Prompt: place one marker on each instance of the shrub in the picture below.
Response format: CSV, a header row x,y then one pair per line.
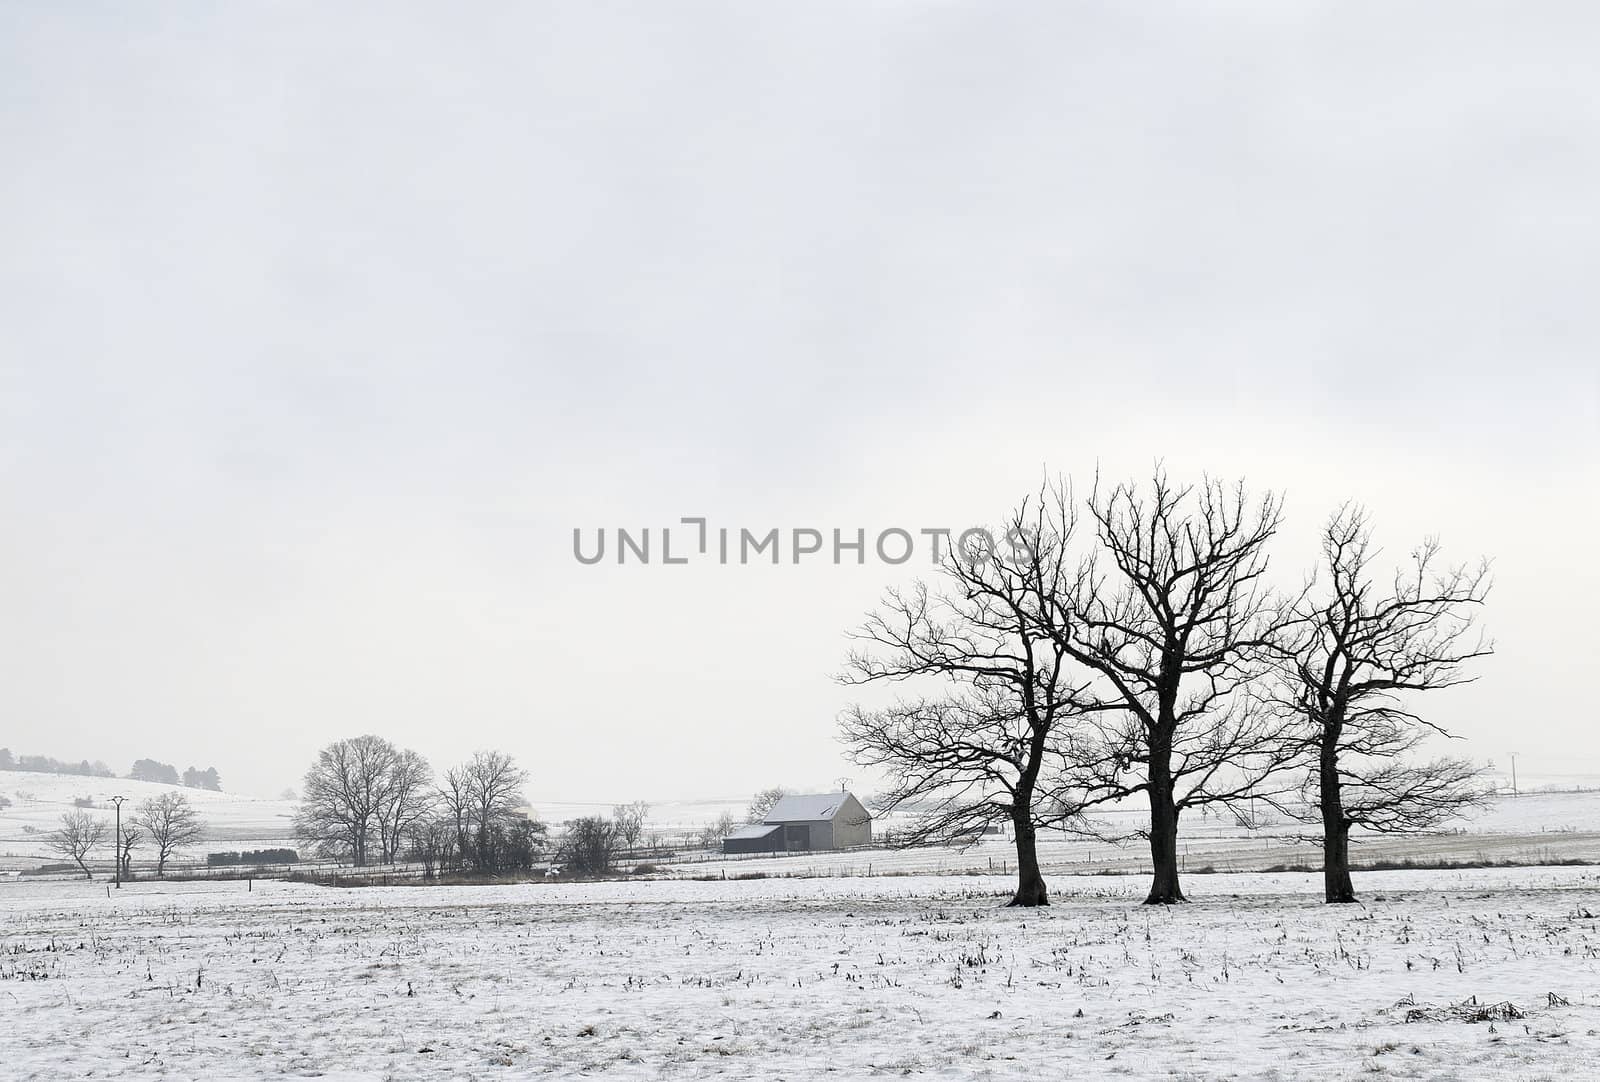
x,y
589,846
253,856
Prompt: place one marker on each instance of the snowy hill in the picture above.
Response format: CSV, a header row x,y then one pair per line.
x,y
39,800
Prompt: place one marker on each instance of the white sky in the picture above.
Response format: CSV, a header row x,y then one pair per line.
x,y
321,327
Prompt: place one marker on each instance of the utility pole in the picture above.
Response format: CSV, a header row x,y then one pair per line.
x,y
116,840
1513,774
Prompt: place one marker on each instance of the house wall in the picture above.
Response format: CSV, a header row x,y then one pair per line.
x,y
852,826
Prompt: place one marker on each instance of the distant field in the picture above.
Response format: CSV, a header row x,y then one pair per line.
x,y
1535,828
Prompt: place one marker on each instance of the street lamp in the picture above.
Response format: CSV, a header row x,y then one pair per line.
x,y
116,841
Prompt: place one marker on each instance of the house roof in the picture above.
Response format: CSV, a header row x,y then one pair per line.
x,y
808,807
760,830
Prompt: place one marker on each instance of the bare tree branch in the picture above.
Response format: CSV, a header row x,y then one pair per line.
x,y
1173,613
1359,652
995,743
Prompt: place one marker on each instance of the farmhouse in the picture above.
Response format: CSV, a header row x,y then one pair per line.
x,y
805,823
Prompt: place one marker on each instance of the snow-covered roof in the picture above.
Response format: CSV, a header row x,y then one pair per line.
x,y
760,830
807,807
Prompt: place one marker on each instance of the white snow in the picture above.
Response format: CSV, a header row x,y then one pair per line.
x,y
798,978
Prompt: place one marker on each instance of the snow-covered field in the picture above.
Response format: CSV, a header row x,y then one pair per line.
x,y
1438,975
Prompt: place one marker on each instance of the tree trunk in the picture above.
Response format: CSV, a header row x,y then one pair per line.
x,y
1164,888
1030,884
1336,884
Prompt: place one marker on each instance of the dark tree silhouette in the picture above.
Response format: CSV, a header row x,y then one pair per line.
x,y
996,747
153,770
131,837
589,846
80,834
172,824
479,799
1361,652
1173,613
403,797
348,802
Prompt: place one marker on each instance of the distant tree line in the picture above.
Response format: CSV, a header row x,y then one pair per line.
x,y
43,764
369,802
366,801
143,770
167,774
1056,666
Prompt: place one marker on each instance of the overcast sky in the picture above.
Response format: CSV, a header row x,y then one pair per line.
x,y
322,327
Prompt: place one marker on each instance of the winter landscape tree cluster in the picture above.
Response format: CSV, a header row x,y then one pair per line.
x,y
366,801
369,802
1133,645
167,822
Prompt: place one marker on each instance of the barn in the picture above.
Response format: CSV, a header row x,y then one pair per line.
x,y
805,823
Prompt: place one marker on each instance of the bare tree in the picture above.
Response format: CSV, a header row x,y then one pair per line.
x,y
630,820
763,802
171,823
455,803
479,798
712,834
80,834
1360,654
1180,627
433,842
403,796
131,837
1000,747
359,798
341,795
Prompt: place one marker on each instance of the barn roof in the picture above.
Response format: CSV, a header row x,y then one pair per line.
x,y
807,807
760,830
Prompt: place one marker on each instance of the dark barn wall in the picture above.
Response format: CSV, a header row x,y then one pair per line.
x,y
771,843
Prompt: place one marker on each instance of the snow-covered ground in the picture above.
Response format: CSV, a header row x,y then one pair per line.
x,y
791,978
